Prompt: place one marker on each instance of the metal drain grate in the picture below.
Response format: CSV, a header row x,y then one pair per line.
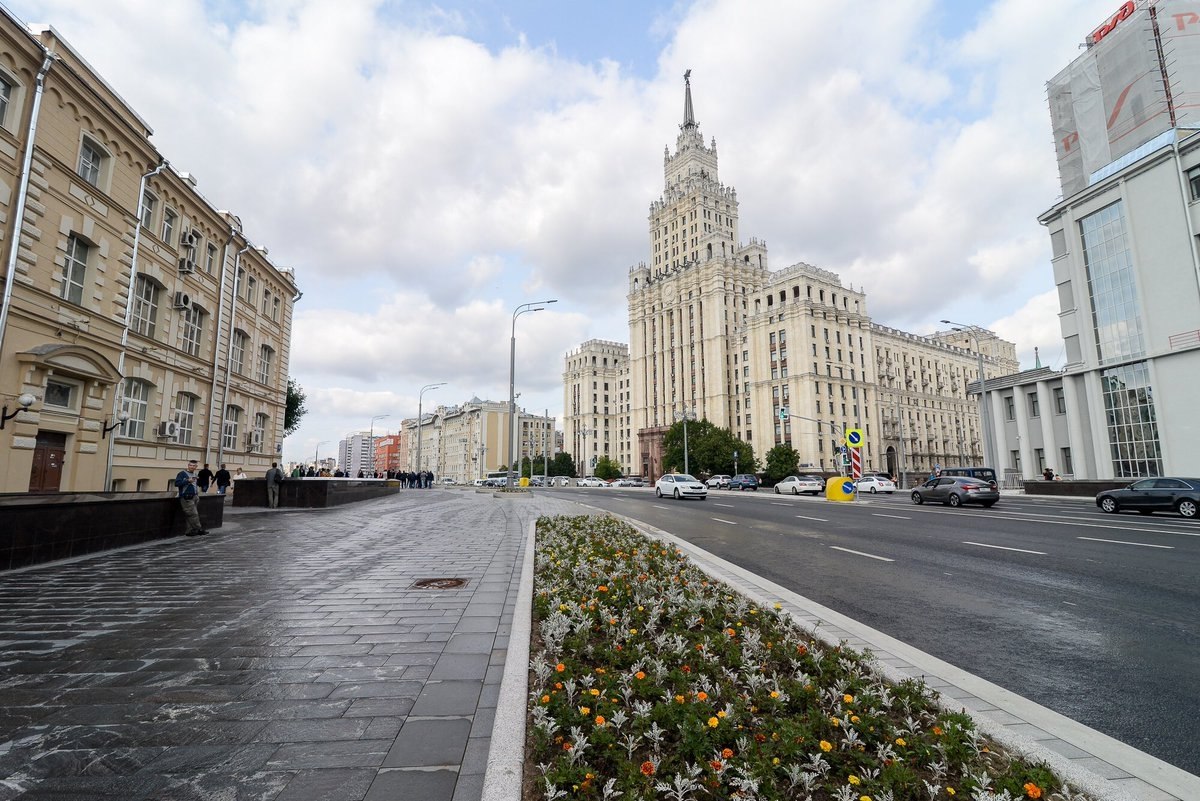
x,y
439,583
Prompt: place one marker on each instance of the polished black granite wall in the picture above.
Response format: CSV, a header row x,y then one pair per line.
x,y
1080,488
313,493
43,528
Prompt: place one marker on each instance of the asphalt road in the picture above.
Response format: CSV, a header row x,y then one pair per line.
x,y
1091,615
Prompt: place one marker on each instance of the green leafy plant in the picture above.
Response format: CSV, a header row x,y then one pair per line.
x,y
652,681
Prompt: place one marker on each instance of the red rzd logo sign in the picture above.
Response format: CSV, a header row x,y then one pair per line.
x,y
1123,13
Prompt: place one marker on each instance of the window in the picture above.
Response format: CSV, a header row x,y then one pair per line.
x,y
62,394
170,218
1040,455
275,309
74,270
193,327
1034,408
6,91
145,306
1116,314
137,401
1132,422
1060,401
266,306
185,415
210,259
229,434
237,355
251,290
259,436
91,161
1193,179
266,359
149,201
1065,466
1010,408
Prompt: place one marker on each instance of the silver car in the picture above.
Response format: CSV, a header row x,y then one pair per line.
x,y
798,484
680,485
955,491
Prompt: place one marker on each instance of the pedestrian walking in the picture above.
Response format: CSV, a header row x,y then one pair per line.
x,y
204,478
274,479
223,480
185,481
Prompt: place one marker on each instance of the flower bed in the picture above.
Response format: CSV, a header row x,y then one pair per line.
x,y
652,681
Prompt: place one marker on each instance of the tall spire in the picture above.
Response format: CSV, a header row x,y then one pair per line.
x,y
689,118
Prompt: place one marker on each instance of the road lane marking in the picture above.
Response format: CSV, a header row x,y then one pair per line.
x,y
1005,516
719,520
898,517
860,553
781,503
1003,548
726,505
818,519
1123,542
656,506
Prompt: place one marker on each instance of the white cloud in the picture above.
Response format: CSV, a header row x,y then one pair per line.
x,y
1035,325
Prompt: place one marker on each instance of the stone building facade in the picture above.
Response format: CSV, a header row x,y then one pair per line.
x,y
139,323
468,441
596,405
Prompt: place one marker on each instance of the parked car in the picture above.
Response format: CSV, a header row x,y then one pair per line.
x,y
479,482
680,485
629,481
744,481
798,484
874,484
982,473
1150,495
956,490
536,481
561,481
590,481
719,481
448,481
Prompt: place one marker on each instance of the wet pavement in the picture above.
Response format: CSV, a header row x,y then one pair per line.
x,y
288,656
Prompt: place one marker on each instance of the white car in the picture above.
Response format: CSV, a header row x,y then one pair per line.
x,y
718,482
680,485
874,484
798,484
590,481
479,482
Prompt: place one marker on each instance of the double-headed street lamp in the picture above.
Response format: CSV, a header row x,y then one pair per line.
x,y
420,400
317,454
985,415
373,419
686,415
524,308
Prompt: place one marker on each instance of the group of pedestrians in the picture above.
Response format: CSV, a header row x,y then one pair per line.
x,y
420,479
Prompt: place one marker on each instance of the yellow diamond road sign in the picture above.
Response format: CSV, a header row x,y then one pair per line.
x,y
854,438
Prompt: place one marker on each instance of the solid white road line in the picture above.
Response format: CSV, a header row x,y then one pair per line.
x,y
1123,542
1009,516
860,553
818,519
1002,548
780,503
719,520
898,517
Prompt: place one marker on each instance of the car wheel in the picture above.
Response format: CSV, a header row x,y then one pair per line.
x,y
676,494
795,490
954,500
657,492
1109,505
872,490
1187,508
917,499
776,490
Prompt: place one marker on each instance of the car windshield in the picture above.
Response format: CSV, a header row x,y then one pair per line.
x,y
683,477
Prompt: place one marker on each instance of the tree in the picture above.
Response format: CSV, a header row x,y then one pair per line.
x,y
562,465
710,449
782,461
607,469
293,410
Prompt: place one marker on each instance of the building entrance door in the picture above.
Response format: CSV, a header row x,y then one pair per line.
x,y
48,456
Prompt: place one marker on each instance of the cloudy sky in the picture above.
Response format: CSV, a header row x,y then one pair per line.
x,y
425,168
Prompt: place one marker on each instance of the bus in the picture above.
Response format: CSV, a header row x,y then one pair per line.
x,y
496,478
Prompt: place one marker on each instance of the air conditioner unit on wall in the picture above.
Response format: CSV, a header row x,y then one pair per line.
x,y
189,239
168,429
254,440
183,300
187,265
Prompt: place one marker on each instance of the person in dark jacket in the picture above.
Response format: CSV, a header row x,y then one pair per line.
x,y
204,478
185,482
223,480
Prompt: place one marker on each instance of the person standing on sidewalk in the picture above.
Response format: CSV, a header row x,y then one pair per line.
x,y
185,481
223,480
274,479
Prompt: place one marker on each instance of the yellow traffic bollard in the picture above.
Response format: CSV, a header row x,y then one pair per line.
x,y
839,488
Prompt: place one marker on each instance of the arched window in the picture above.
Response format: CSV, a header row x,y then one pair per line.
x,y
95,163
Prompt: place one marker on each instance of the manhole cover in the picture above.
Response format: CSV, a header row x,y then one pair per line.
x,y
439,583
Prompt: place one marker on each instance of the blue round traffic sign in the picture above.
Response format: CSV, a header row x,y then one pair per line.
x,y
854,438
848,487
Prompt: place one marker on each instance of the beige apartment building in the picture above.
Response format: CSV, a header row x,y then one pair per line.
x,y
789,356
597,404
468,441
139,326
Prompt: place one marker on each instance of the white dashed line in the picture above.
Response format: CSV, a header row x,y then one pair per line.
x,y
1123,542
1003,548
897,517
656,506
719,520
818,519
860,553
726,505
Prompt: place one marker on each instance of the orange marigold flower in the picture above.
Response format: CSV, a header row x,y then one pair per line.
x,y
599,720
937,730
558,685
545,699
567,746
648,768
686,668
639,675
727,752
716,765
703,696
602,588
560,667
731,632
1032,790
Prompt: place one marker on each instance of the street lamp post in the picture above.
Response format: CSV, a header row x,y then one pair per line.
x,y
420,400
373,419
686,415
899,427
524,308
985,416
317,456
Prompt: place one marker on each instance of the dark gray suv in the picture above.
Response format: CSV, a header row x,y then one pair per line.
x,y
744,481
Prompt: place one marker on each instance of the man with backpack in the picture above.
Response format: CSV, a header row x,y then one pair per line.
x,y
185,482
274,479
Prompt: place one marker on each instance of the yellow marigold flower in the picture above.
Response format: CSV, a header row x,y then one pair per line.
x,y
778,605
679,699
721,714
594,691
901,741
632,632
853,780
583,710
950,791
641,608
835,721
775,761
864,798
562,607
713,723
849,699
854,718
826,746
774,693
